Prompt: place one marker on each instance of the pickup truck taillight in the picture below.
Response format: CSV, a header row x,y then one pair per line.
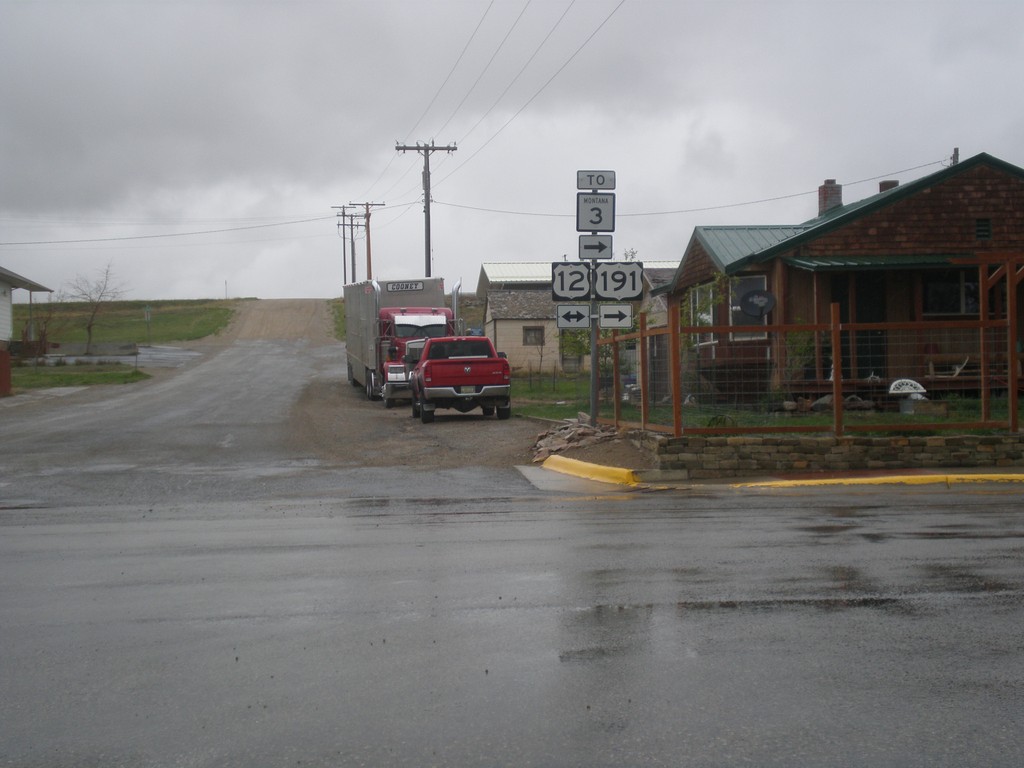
x,y
506,371
426,373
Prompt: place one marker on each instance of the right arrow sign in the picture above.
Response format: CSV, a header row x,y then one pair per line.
x,y
595,246
616,316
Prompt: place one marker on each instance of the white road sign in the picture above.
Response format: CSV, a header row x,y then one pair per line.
x,y
619,280
595,179
570,281
595,212
573,315
615,315
595,246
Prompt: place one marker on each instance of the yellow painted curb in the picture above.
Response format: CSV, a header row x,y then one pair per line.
x,y
590,471
890,480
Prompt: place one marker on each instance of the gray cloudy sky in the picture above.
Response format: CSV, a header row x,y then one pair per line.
x,y
198,146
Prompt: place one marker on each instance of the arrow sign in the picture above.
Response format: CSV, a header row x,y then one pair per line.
x,y
616,316
595,246
572,316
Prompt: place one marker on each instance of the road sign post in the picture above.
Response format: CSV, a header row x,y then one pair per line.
x,y
595,213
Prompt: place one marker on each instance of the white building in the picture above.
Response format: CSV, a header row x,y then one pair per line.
x,y
8,283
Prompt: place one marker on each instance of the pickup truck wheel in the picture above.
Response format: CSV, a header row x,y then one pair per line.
x,y
415,407
426,415
504,412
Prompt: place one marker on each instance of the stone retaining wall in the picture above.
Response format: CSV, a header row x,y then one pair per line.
x,y
697,458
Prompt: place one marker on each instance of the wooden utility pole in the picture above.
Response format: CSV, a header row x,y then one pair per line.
x,y
366,224
426,150
344,254
347,228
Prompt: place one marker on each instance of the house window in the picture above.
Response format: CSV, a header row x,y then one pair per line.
x,y
983,229
533,336
739,288
950,292
702,303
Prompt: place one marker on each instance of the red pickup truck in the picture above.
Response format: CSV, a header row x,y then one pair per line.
x,y
460,372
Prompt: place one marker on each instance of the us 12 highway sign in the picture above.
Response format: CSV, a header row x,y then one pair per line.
x,y
570,281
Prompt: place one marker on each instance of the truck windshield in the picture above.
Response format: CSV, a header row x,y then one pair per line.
x,y
406,331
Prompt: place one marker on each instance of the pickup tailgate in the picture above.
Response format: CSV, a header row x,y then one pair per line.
x,y
465,376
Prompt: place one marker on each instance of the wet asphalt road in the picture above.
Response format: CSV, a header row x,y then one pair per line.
x,y
166,602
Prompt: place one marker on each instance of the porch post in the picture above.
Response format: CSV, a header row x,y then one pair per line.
x,y
837,372
642,372
675,375
1014,276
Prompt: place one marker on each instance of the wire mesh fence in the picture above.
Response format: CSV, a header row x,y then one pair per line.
x,y
827,378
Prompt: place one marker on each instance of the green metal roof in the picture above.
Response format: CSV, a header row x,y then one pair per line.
x,y
885,261
728,245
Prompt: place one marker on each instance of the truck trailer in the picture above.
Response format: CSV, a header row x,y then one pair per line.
x,y
380,318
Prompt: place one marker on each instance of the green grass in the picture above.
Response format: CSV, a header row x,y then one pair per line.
x,y
121,322
124,322
42,376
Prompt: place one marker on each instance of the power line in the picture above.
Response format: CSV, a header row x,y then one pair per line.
x,y
690,210
167,234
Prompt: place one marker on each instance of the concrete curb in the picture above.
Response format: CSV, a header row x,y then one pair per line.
x,y
590,471
936,479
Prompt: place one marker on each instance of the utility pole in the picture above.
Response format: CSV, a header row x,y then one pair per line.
x,y
426,150
366,224
344,254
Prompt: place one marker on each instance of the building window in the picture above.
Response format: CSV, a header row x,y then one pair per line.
x,y
983,229
739,288
950,292
533,336
702,304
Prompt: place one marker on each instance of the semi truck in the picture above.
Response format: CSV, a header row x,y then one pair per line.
x,y
380,318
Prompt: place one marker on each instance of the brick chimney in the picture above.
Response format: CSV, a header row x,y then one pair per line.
x,y
830,195
885,186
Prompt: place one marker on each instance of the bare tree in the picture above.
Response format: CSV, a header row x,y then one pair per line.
x,y
95,293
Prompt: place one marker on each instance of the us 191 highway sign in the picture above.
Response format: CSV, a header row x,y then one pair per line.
x,y
619,280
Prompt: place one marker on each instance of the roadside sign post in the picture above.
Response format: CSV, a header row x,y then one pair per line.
x,y
595,214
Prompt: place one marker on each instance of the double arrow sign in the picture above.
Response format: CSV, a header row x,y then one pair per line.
x,y
608,316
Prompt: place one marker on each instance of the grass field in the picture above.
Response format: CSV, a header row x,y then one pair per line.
x,y
125,322
121,322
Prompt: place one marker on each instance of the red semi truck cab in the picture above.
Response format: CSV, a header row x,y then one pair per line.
x,y
399,326
380,318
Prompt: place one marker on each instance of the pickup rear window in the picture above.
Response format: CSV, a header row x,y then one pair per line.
x,y
460,349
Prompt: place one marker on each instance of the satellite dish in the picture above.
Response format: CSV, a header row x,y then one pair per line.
x,y
757,303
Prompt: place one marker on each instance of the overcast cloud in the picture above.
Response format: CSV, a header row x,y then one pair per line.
x,y
128,126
